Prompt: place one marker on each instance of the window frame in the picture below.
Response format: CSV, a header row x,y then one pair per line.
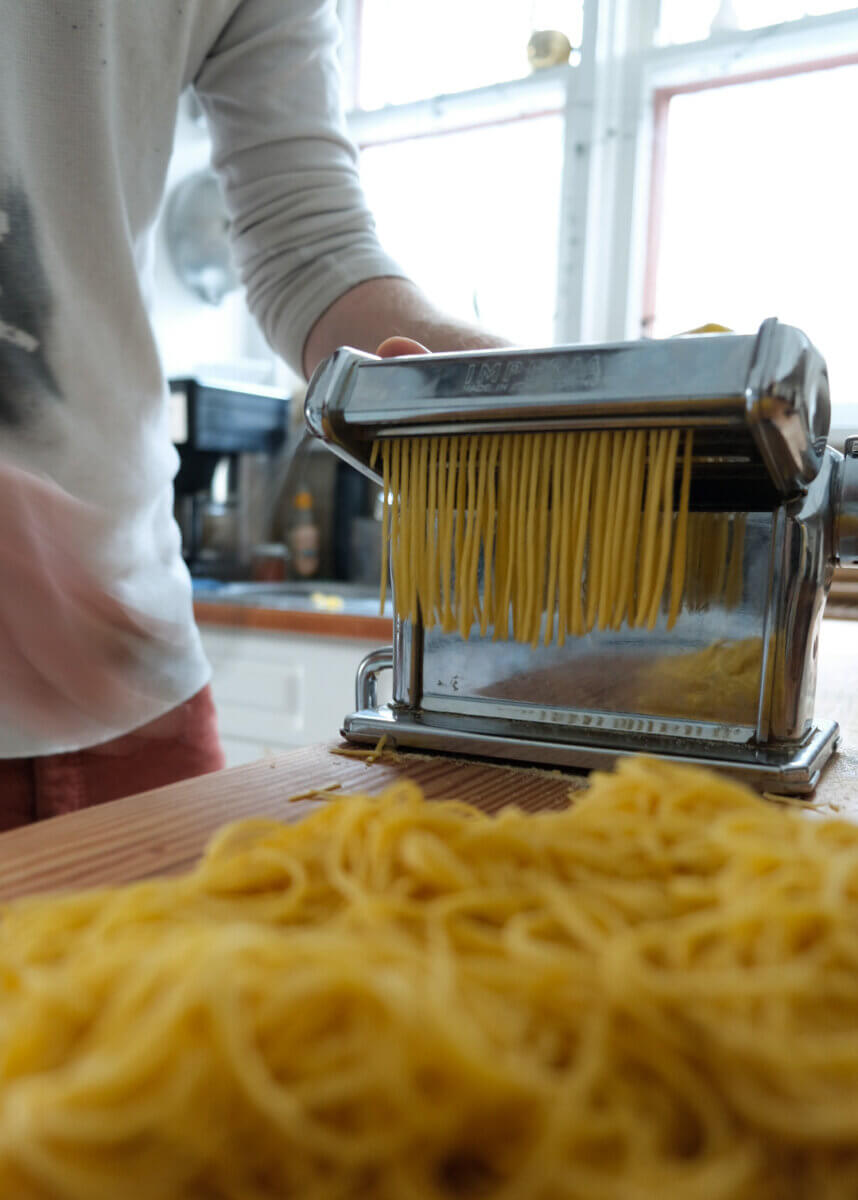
x,y
555,90
662,98
614,101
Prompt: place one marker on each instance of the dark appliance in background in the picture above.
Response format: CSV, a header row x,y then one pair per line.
x,y
229,439
356,526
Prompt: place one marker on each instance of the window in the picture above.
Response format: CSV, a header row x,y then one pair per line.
x,y
691,163
413,49
462,149
690,20
473,217
757,212
745,174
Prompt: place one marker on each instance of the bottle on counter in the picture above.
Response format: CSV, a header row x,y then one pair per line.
x,y
269,563
303,536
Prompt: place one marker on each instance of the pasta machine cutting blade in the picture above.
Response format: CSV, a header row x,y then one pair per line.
x,y
726,685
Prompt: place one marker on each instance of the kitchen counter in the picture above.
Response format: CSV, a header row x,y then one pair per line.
x,y
349,610
326,609
164,831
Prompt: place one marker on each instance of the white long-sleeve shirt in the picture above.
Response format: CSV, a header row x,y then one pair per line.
x,y
89,91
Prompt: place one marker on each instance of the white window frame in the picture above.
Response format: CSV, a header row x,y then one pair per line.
x,y
612,102
792,47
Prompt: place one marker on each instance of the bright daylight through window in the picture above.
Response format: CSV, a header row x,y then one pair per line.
x,y
711,178
758,213
411,50
474,217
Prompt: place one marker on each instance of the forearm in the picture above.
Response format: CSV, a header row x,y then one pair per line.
x,y
382,308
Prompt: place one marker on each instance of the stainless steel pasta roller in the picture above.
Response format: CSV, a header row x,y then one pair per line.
x,y
730,682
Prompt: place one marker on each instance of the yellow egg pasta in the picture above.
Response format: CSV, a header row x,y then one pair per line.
x,y
653,993
541,536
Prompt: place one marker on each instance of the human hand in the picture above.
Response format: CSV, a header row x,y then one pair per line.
x,y
396,347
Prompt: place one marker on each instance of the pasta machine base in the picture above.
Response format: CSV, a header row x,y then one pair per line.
x,y
790,770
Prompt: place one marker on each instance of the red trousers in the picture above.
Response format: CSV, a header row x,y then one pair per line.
x,y
179,745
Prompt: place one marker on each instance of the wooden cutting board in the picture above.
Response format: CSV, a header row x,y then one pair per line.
x,y
164,831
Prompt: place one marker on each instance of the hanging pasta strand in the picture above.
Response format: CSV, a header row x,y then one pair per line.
x,y
386,512
680,541
406,534
464,581
556,518
422,601
429,589
538,520
510,473
666,529
600,517
631,520
490,518
447,550
394,451
543,536
646,566
460,523
519,581
570,473
622,444
582,501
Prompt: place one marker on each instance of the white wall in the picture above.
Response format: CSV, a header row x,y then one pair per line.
x,y
195,337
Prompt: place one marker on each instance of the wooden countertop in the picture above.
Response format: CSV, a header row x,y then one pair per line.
x,y
165,830
287,620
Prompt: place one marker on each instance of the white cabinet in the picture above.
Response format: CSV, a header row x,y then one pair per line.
x,y
278,691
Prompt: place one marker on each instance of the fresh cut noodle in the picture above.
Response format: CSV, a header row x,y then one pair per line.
x,y
653,993
542,536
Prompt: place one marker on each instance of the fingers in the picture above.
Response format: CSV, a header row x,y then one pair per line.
x,y
395,347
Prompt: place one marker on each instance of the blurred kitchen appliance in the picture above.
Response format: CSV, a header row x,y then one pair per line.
x,y
356,527
229,437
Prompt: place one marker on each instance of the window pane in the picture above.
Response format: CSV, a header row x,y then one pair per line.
x,y
473,217
691,20
686,20
411,49
758,215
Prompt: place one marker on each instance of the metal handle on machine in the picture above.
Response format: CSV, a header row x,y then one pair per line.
x,y
366,680
846,507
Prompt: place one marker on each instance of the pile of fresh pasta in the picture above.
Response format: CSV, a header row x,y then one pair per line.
x,y
544,536
651,994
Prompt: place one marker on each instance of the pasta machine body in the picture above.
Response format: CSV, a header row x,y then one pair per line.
x,y
728,686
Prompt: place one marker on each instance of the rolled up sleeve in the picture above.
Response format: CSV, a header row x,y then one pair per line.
x,y
302,232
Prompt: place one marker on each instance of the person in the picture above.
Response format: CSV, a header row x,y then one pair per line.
x,y
103,680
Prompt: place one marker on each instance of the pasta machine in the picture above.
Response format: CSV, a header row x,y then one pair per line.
x,y
728,686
